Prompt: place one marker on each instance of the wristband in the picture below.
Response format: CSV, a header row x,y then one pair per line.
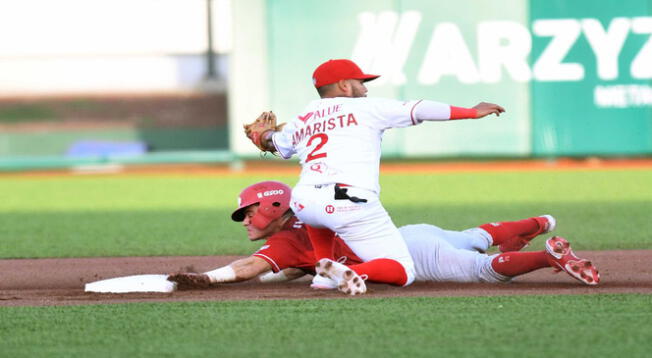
x,y
222,274
463,113
260,140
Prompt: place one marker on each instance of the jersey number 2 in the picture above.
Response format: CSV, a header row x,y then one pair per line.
x,y
323,139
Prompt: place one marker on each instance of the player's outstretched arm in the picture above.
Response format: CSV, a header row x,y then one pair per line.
x,y
287,274
484,109
248,268
240,270
426,110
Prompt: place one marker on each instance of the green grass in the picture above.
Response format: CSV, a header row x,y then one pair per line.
x,y
128,216
131,215
527,326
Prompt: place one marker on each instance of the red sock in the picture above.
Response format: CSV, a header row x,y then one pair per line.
x,y
323,241
383,271
505,230
517,263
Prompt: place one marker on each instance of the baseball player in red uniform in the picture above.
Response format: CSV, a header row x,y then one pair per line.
x,y
337,139
438,255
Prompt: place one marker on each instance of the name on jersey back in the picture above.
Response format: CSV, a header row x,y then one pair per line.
x,y
321,121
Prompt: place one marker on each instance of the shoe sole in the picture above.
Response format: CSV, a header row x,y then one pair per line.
x,y
584,271
581,269
350,283
558,248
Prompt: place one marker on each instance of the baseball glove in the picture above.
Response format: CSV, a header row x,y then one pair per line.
x,y
190,281
256,130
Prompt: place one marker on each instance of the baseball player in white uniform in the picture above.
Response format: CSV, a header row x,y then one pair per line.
x,y
337,139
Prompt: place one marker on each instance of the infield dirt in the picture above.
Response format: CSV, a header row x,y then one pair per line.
x,y
41,282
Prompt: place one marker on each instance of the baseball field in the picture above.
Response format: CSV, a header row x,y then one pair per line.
x,y
59,231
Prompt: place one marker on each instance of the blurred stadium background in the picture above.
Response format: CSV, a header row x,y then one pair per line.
x,y
101,83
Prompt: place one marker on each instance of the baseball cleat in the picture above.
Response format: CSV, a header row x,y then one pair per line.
x,y
322,283
346,279
547,223
562,258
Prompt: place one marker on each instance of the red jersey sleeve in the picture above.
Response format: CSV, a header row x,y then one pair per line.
x,y
288,248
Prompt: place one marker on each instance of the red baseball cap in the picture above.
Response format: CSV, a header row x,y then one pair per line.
x,y
332,71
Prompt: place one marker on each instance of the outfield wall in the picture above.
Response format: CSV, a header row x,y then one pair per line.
x,y
117,73
575,76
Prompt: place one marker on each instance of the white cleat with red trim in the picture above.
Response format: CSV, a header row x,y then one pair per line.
x,y
346,279
323,283
562,258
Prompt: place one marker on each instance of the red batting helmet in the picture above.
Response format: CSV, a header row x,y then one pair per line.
x,y
274,200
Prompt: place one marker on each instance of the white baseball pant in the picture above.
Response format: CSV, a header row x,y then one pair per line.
x,y
365,227
450,256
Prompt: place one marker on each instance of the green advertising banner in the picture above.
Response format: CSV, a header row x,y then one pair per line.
x,y
592,86
422,49
573,76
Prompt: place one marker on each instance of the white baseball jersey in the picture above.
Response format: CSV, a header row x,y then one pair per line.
x,y
338,139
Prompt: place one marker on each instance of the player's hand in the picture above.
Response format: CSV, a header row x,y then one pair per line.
x,y
485,109
190,281
255,131
265,120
